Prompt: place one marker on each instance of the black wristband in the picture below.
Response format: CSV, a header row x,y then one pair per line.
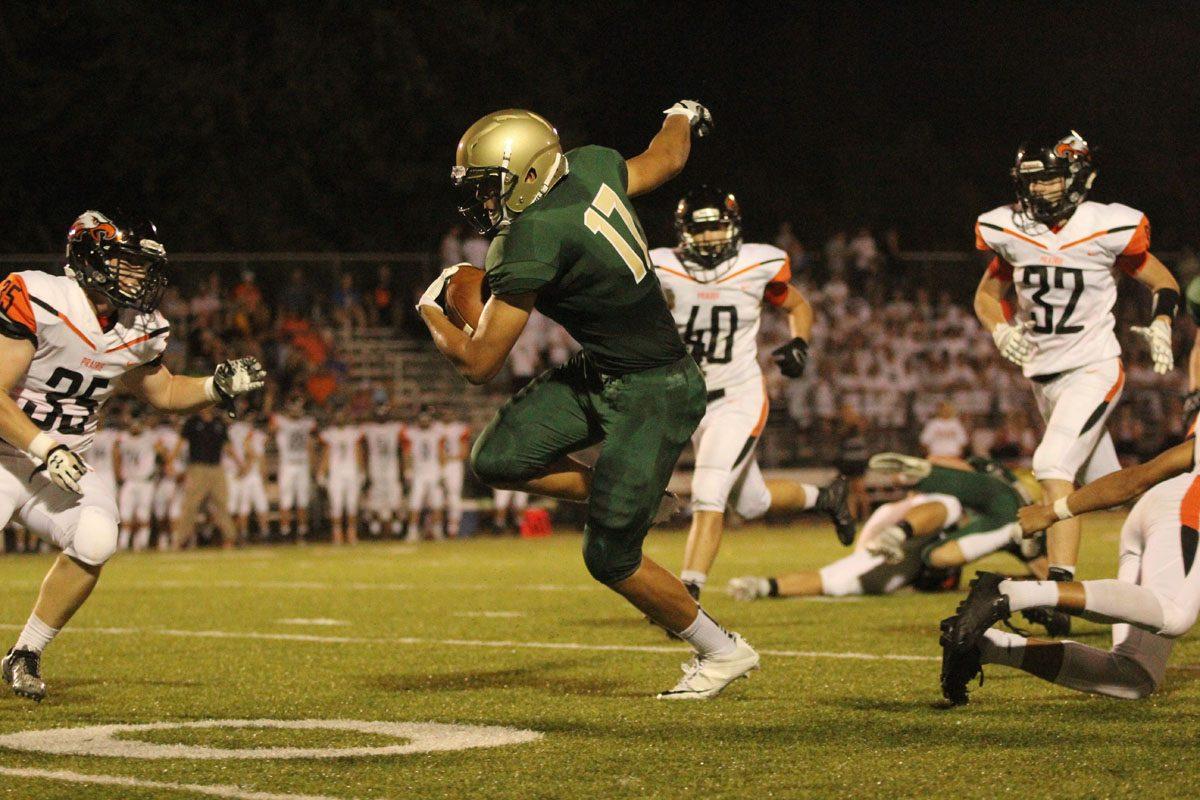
x,y
1061,575
905,526
1166,302
772,587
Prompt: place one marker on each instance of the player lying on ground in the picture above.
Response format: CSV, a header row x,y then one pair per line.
x,y
716,287
67,343
957,514
1154,598
569,241
1061,254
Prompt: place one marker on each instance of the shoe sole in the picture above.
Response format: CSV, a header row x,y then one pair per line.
x,y
6,673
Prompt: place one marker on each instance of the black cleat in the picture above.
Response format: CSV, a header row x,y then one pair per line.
x,y
1056,623
693,589
22,670
959,666
833,500
983,608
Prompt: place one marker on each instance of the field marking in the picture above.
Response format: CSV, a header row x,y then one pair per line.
x,y
490,643
329,587
419,737
215,790
319,622
490,614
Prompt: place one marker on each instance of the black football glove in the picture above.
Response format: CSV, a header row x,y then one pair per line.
x,y
791,357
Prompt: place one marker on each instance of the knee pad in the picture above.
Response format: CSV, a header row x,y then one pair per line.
x,y
1176,620
710,489
95,537
608,559
753,503
1049,460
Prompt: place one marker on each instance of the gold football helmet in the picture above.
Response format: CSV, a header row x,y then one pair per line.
x,y
503,164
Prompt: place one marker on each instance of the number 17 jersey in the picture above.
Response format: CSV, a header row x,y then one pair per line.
x,y
1066,279
718,316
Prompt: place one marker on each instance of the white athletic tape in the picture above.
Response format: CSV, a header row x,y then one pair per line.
x,y
320,622
216,790
507,645
421,737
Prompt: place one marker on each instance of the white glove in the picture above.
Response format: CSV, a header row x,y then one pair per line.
x,y
1158,335
1012,342
889,544
63,467
699,117
430,298
234,378
748,587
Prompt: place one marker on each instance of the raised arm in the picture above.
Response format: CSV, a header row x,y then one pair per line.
x,y
669,149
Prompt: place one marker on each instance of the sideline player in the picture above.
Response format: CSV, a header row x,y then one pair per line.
x,y
342,473
139,451
100,317
294,441
423,466
247,492
385,498
104,456
455,446
508,505
569,241
1154,599
1062,254
716,287
168,492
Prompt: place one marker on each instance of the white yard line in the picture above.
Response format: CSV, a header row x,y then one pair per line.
x,y
489,643
218,790
310,586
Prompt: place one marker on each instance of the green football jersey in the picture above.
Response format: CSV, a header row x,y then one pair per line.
x,y
581,248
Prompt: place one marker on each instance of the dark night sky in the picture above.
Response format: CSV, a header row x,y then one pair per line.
x,y
334,128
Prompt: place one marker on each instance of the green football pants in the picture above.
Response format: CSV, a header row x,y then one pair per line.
x,y
644,420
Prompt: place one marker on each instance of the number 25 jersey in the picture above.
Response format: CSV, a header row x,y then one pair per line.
x,y
76,365
719,319
1066,280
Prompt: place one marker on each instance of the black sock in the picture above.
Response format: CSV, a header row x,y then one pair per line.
x,y
694,590
773,590
1061,574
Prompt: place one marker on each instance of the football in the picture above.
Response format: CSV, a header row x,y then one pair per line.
x,y
465,295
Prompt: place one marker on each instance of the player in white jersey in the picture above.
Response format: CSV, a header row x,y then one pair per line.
x,y
104,456
139,450
385,498
294,442
716,287
247,492
66,343
423,466
1062,254
455,447
1154,599
168,492
342,473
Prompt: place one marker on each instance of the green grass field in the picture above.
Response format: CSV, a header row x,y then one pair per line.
x,y
513,633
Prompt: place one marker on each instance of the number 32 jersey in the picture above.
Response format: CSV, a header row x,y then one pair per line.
x,y
1066,280
76,365
718,318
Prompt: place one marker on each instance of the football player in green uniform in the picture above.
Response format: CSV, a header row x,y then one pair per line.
x,y
568,242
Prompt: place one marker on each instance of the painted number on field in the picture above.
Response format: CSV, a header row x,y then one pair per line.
x,y
419,737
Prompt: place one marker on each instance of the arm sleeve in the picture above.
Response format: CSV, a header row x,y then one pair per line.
x,y
16,312
525,260
776,290
980,244
1133,257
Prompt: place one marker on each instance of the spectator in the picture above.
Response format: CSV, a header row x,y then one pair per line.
x,y
450,251
837,254
475,248
944,435
347,304
383,296
207,302
296,297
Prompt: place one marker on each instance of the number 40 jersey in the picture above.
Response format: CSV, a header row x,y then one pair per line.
x,y
1066,279
718,316
76,364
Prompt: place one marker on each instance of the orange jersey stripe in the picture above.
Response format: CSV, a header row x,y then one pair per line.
x,y
1033,242
747,269
1189,509
14,302
678,274
1116,387
75,330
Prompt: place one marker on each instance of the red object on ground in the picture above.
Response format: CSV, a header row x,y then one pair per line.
x,y
535,523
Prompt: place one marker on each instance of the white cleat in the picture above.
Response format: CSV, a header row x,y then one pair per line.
x,y
748,587
706,677
900,464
